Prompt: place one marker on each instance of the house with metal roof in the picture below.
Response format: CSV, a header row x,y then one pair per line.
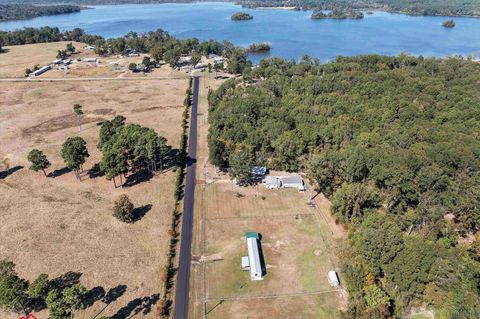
x,y
293,182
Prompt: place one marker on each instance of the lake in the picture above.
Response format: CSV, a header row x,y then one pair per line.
x,y
291,33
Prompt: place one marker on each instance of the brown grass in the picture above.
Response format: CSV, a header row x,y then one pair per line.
x,y
20,57
58,225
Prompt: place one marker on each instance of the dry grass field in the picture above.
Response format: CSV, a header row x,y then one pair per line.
x,y
59,225
20,57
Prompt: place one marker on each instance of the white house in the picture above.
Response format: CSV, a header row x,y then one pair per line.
x,y
333,279
254,261
293,182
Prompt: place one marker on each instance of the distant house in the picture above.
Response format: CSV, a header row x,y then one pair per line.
x,y
254,262
274,182
40,71
89,47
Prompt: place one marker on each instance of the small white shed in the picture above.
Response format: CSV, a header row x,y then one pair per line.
x,y
333,279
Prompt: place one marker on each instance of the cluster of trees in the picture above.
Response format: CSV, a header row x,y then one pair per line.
x,y
425,7
19,295
393,142
159,44
28,11
240,16
63,54
130,147
125,148
337,14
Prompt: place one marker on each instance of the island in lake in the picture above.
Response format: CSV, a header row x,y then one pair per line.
x,y
259,47
448,24
337,14
240,16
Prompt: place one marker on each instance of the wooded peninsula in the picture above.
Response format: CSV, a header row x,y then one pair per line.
x,y
27,11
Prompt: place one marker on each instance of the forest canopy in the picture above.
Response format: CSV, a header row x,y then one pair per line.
x,y
394,143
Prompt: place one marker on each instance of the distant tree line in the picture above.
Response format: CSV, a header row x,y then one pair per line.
x,y
425,7
393,142
158,43
28,11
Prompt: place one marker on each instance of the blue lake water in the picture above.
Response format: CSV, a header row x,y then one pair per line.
x,y
291,33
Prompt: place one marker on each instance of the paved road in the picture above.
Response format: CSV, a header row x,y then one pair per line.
x,y
183,275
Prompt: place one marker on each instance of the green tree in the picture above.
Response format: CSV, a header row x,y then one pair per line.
x,y
62,54
114,162
74,298
375,296
123,209
57,308
196,57
132,67
70,48
157,52
77,109
172,57
13,289
74,153
40,287
39,161
351,201
378,240
241,164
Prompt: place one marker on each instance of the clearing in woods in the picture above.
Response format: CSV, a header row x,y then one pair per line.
x,y
64,227
298,242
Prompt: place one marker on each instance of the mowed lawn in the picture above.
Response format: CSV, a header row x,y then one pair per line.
x,y
64,226
296,255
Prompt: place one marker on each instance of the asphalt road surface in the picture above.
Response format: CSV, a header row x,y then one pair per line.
x,y
183,275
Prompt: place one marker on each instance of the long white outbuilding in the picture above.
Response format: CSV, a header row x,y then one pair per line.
x,y
255,256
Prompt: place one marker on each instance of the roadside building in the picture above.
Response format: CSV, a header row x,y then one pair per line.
x,y
254,262
333,279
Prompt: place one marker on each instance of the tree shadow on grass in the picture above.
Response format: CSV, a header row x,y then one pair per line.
x,y
59,172
143,305
137,178
66,280
139,212
95,294
95,171
114,293
10,171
